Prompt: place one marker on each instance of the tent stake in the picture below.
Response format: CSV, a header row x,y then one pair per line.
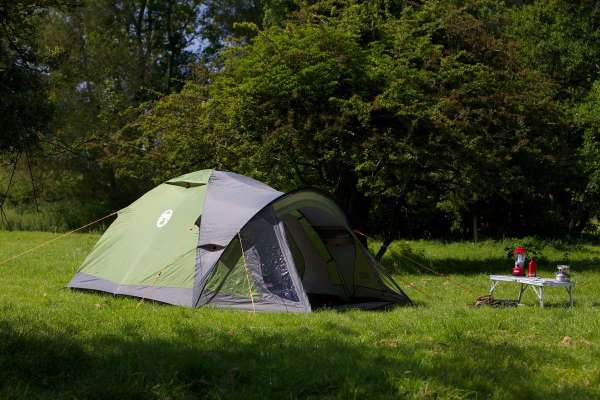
x,y
247,274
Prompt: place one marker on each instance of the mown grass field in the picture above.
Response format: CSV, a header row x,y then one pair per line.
x,y
60,344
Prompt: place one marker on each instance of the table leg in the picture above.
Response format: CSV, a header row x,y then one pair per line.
x,y
539,293
521,290
493,287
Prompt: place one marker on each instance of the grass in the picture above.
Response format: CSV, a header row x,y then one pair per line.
x,y
58,216
60,344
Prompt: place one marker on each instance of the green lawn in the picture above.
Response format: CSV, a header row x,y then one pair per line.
x,y
59,344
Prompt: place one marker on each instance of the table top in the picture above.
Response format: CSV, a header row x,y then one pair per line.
x,y
537,281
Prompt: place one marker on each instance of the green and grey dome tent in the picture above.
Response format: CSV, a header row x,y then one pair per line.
x,y
222,239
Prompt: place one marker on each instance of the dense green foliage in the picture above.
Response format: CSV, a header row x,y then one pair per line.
x,y
25,108
435,118
60,344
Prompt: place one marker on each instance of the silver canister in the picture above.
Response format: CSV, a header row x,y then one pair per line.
x,y
563,273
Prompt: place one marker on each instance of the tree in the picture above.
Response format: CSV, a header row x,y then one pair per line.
x,y
226,22
399,113
436,118
24,108
562,40
104,59
587,116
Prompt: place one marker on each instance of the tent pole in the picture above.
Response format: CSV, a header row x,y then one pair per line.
x,y
247,274
10,180
35,201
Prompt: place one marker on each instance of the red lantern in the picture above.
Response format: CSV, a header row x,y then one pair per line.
x,y
520,256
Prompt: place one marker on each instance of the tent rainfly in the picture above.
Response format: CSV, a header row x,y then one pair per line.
x,y
221,239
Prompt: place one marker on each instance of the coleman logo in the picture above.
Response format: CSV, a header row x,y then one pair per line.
x,y
164,218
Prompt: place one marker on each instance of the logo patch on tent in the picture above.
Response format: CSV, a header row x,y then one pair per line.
x,y
164,218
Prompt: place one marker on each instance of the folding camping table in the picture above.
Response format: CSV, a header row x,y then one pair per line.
x,y
536,284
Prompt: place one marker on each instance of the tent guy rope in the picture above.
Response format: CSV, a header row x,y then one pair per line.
x,y
420,265
414,287
47,242
406,283
464,288
247,273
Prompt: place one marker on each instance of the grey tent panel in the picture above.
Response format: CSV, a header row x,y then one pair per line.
x,y
231,201
273,270
171,295
220,301
269,266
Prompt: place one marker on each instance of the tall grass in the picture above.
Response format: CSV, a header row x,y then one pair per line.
x,y
52,217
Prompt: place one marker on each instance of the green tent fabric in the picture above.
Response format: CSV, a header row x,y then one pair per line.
x,y
221,239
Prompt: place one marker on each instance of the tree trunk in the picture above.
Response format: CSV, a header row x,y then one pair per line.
x,y
475,231
170,45
383,249
354,203
114,189
139,33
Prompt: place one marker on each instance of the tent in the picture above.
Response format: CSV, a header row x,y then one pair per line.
x,y
222,239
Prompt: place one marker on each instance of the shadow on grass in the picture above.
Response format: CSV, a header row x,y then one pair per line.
x,y
416,263
296,363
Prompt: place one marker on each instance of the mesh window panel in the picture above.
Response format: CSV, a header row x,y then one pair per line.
x,y
230,276
262,249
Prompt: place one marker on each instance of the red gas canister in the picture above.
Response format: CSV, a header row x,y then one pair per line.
x,y
532,268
